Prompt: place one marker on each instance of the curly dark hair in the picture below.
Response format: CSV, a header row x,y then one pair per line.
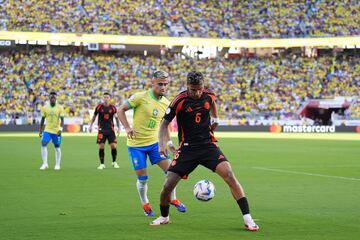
x,y
195,78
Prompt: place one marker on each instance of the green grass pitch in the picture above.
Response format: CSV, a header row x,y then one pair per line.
x,y
298,188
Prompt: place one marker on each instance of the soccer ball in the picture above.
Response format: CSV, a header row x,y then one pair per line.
x,y
204,190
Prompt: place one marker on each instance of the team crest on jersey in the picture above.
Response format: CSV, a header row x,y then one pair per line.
x,y
207,105
155,112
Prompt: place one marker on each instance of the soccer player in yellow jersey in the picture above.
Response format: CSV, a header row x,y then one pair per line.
x,y
149,108
54,115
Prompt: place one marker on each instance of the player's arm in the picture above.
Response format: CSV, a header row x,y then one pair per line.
x,y
92,122
164,131
170,143
61,126
123,119
164,137
117,123
214,116
41,126
93,118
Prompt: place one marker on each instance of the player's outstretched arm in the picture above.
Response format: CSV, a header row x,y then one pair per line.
x,y
164,136
41,126
122,117
214,116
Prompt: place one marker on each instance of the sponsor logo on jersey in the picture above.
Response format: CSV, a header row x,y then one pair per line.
x,y
207,105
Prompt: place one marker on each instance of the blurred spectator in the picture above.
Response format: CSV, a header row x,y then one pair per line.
x,y
271,88
197,18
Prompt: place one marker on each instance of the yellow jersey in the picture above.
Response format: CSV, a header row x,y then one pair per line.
x,y
148,113
52,116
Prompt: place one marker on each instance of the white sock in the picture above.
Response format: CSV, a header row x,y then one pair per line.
x,y
57,156
142,188
248,218
173,194
44,155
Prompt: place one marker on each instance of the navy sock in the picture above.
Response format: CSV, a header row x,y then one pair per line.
x,y
114,154
164,210
244,205
101,155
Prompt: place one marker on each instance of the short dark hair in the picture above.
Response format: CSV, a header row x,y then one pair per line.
x,y
195,78
107,93
160,74
53,93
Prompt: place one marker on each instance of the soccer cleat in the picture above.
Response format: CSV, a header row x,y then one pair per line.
x,y
44,167
147,210
160,220
101,166
180,207
251,225
57,167
115,165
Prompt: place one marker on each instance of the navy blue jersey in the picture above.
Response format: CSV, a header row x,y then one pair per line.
x,y
193,118
106,116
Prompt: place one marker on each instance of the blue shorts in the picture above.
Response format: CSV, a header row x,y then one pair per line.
x,y
46,137
138,155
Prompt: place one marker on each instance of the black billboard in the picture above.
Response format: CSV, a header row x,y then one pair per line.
x,y
7,43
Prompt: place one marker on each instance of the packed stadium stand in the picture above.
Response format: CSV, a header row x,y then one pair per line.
x,y
248,87
196,18
271,88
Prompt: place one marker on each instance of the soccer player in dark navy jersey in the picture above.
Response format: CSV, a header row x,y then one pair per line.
x,y
196,115
106,112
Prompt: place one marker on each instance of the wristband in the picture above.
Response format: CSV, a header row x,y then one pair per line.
x,y
61,129
170,143
215,120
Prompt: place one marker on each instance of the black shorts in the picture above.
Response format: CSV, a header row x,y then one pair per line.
x,y
110,136
190,157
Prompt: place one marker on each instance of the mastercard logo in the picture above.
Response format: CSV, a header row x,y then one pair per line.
x,y
358,129
74,128
275,128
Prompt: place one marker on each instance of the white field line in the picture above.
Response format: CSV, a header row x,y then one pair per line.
x,y
306,173
314,166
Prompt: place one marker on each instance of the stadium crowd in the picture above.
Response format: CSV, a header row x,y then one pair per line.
x,y
197,18
273,88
